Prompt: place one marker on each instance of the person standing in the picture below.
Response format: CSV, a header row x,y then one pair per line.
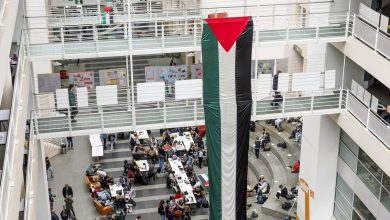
x,y
200,158
190,155
257,146
70,142
69,206
72,102
67,191
49,168
161,209
103,137
51,199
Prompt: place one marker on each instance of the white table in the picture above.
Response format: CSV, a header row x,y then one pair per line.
x,y
96,144
114,188
186,139
182,180
142,134
143,165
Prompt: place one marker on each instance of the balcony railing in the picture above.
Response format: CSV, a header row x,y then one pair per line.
x,y
372,36
161,36
369,118
171,113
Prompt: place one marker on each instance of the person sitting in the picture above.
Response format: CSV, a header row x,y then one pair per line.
x,y
265,139
120,200
295,167
282,192
178,195
295,131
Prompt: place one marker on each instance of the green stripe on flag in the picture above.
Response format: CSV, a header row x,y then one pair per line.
x,y
213,118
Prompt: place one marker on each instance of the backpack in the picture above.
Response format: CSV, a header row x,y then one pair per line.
x,y
205,203
290,196
282,144
266,148
286,206
262,199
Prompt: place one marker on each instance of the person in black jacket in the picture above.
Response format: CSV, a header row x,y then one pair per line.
x,y
67,191
386,115
283,192
161,209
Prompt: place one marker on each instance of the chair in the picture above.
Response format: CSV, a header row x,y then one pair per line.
x,y
102,209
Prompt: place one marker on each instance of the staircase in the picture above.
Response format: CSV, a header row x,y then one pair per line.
x,y
52,146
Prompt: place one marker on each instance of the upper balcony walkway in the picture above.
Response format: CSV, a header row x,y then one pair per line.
x,y
168,35
123,117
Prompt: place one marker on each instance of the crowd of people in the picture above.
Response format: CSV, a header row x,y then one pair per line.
x,y
68,210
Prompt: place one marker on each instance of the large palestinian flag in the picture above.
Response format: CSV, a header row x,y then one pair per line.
x,y
226,56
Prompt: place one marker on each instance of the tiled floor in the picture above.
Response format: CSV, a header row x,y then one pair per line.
x,y
69,168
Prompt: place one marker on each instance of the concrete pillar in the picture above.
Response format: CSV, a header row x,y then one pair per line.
x,y
319,153
6,34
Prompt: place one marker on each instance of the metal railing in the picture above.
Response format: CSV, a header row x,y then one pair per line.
x,y
371,35
13,160
155,115
174,35
369,118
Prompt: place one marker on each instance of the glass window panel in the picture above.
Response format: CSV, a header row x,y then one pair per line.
x,y
349,142
368,179
386,181
339,214
343,203
370,165
362,210
348,157
385,199
355,216
344,188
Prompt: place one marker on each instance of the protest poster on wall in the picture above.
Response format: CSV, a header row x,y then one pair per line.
x,y
83,79
113,77
167,74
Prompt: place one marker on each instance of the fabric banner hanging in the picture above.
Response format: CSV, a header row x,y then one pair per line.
x,y
226,55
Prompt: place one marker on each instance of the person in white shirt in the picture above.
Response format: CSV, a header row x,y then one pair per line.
x,y
200,158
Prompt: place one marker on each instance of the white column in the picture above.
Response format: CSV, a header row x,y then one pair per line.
x,y
6,34
319,153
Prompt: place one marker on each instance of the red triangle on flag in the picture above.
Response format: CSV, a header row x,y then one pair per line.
x,y
227,30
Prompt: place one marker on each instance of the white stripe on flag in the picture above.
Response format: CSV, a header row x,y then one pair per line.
x,y
228,107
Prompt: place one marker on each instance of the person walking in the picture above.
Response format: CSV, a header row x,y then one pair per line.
x,y
49,168
103,138
70,142
67,191
161,209
72,102
51,199
69,207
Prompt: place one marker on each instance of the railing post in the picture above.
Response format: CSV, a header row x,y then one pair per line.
x,y
341,98
185,23
284,104
195,33
312,102
195,113
376,39
62,42
347,24
353,25
96,38
288,28
368,118
273,15
100,109
155,28
165,114
69,120
162,36
317,31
